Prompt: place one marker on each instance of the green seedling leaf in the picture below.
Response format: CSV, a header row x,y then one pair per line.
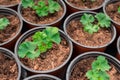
x,y
27,3
119,9
103,20
4,22
99,68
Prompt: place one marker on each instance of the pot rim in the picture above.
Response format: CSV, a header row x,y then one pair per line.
x,y
75,60
94,47
87,9
118,45
47,71
20,27
104,10
15,59
42,75
34,24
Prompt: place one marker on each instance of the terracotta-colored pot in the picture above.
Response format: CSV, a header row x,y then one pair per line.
x,y
79,48
55,23
11,42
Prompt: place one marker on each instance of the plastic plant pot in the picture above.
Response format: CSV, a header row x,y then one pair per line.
x,y
55,71
42,77
80,48
118,48
110,59
12,6
55,23
10,55
11,42
71,8
117,25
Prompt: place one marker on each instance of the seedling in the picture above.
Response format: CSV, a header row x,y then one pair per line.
x,y
93,23
99,69
42,8
42,41
4,22
119,9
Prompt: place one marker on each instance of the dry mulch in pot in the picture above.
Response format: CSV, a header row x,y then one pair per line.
x,y
84,65
11,30
49,60
76,32
9,2
30,15
87,4
8,68
112,11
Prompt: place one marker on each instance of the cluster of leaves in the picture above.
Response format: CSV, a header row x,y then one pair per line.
x,y
4,22
93,23
119,9
99,68
42,41
89,0
42,9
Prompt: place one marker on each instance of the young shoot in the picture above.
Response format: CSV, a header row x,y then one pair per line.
x,y
119,9
93,23
99,69
42,8
4,22
42,41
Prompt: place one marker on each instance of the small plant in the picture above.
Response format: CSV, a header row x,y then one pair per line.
x,y
42,41
93,24
99,68
119,9
4,22
42,8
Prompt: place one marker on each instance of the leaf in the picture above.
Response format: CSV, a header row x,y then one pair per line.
x,y
119,9
4,22
103,20
27,3
53,6
87,19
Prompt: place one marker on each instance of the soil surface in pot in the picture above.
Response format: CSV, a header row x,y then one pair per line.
x,y
53,58
9,2
112,11
11,30
8,68
31,16
84,65
87,4
76,32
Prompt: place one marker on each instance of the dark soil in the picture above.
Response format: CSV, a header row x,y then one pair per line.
x,y
87,4
84,65
11,30
76,32
53,57
112,11
9,2
31,16
8,68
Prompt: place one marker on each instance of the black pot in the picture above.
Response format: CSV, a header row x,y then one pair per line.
x,y
80,48
110,59
55,71
55,23
42,77
12,56
11,42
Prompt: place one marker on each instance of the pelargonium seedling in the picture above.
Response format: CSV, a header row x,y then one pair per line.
x,y
119,9
42,8
4,22
99,69
93,23
42,41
